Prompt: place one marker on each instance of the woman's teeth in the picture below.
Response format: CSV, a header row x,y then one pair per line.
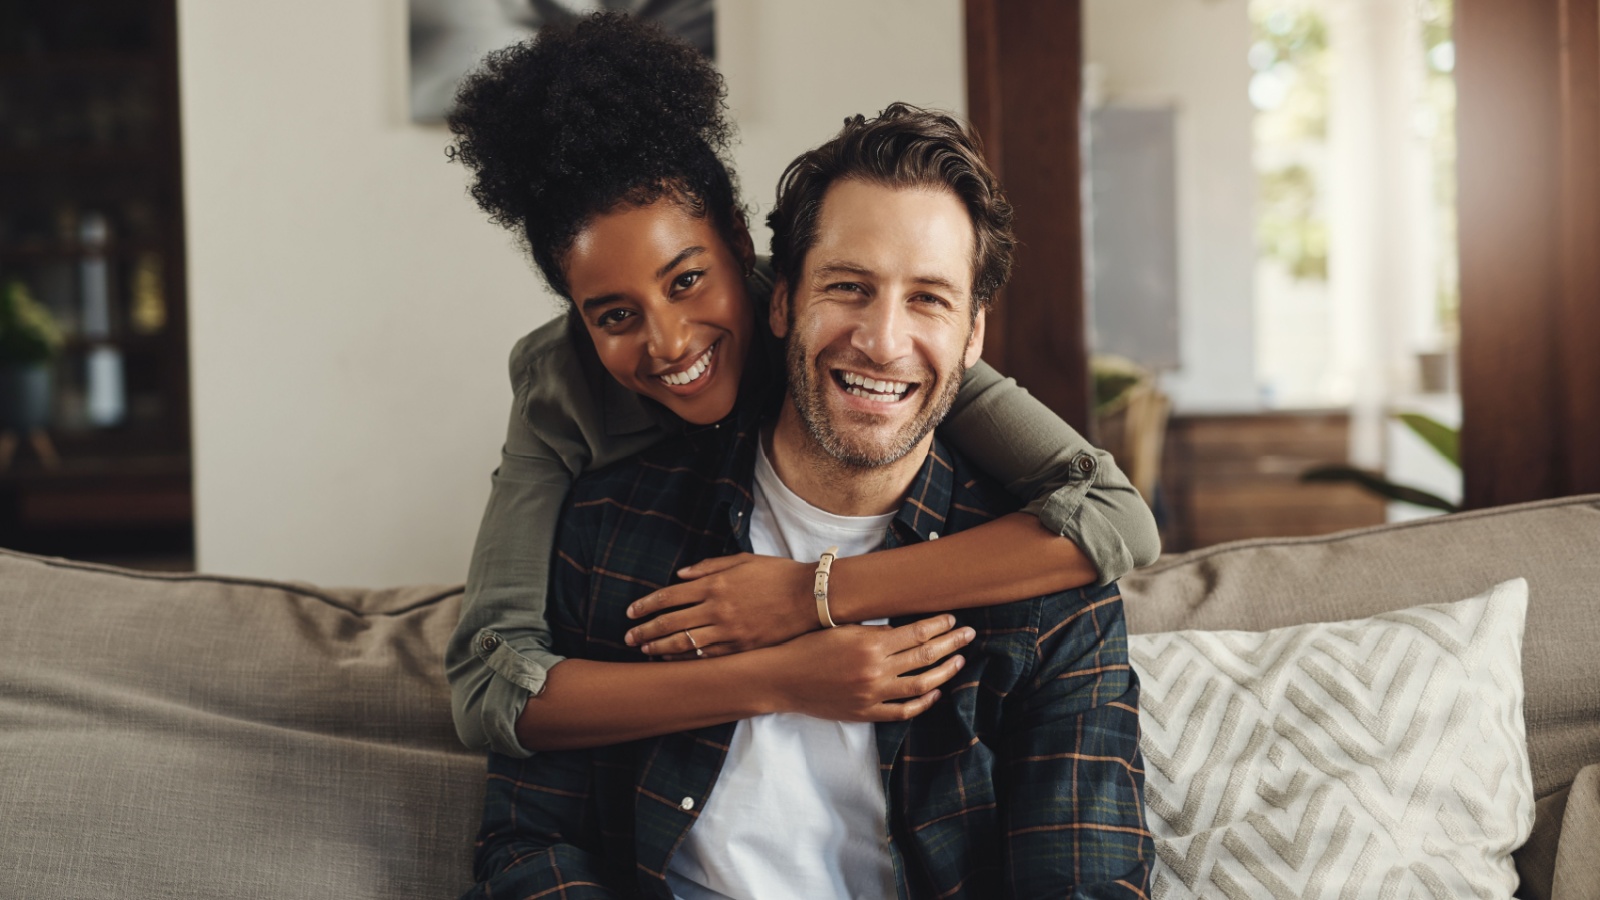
x,y
693,373
873,389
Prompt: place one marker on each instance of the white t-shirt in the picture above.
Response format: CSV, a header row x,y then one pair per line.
x,y
798,810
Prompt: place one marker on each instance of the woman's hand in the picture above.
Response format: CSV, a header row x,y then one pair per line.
x,y
864,673
727,604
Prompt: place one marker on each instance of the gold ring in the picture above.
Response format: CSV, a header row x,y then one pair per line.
x,y
701,654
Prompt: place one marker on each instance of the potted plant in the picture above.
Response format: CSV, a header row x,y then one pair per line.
x,y
29,341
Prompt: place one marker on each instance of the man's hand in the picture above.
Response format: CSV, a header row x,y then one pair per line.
x,y
727,605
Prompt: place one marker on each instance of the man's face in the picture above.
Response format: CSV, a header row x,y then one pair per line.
x,y
879,325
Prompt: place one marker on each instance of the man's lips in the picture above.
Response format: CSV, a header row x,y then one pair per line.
x,y
876,390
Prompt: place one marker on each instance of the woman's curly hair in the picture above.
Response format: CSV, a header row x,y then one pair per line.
x,y
591,113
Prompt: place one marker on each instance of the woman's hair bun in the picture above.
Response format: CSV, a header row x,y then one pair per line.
x,y
587,113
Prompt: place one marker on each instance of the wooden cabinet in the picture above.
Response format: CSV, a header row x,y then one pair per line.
x,y
1229,477
91,223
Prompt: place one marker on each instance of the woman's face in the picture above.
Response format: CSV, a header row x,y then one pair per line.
x,y
663,297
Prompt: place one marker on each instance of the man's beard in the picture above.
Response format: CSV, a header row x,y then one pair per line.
x,y
809,387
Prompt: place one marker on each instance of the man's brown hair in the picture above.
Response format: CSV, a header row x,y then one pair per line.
x,y
905,146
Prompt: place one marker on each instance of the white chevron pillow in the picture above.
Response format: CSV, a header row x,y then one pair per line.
x,y
1381,757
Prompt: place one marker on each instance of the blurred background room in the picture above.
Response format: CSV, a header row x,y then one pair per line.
x,y
1304,265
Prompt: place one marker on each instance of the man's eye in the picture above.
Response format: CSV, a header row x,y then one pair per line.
x,y
687,280
613,317
850,287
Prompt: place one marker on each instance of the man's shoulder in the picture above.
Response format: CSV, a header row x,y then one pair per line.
x,y
975,497
678,470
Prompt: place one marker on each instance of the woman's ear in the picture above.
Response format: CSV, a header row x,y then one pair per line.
x,y
743,246
778,310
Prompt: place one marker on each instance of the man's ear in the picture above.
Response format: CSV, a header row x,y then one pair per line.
x,y
778,309
975,340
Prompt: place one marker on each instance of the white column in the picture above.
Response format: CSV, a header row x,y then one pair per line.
x,y
1379,265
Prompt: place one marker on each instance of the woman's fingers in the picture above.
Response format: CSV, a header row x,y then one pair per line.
x,y
678,643
713,565
669,597
925,653
917,633
922,683
899,712
663,627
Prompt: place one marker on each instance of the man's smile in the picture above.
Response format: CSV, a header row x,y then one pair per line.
x,y
876,390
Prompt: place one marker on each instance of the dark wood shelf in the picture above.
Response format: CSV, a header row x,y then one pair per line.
x,y
123,489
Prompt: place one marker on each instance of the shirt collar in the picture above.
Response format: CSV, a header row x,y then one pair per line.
x,y
922,513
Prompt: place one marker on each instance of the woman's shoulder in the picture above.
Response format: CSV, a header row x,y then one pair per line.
x,y
568,401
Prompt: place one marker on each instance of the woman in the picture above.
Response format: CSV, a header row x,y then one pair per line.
x,y
599,143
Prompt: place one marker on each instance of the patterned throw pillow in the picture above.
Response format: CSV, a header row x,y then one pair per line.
x,y
1382,757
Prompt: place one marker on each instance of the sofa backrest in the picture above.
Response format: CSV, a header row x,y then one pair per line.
x,y
183,736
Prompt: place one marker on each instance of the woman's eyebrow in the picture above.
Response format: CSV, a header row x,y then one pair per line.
x,y
683,254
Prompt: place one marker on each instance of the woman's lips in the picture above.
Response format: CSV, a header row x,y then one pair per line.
x,y
695,377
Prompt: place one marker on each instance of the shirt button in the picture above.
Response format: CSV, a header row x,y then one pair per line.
x,y
933,535
489,642
686,804
1086,465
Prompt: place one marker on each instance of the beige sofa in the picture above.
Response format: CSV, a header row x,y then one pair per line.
x,y
189,736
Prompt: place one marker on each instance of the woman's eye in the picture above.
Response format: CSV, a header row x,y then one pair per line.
x,y
612,317
687,280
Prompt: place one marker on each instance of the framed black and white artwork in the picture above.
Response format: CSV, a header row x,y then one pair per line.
x,y
449,37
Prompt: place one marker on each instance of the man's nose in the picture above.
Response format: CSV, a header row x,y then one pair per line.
x,y
670,335
882,332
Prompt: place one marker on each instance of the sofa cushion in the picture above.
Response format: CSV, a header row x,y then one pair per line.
x,y
1360,758
1554,544
185,736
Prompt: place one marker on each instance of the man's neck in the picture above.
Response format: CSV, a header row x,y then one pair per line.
x,y
828,484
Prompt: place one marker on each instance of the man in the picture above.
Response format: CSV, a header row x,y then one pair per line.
x,y
1024,779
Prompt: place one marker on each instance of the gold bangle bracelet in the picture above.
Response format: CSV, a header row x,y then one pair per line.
x,y
819,588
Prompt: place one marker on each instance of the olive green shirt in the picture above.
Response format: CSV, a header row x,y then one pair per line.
x,y
570,416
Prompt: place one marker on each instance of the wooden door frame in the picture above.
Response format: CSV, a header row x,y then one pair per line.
x,y
1528,87
1024,84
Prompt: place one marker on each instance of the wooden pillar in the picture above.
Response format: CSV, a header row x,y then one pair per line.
x,y
1024,86
1528,83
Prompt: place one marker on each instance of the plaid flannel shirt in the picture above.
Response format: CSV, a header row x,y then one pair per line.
x,y
1024,780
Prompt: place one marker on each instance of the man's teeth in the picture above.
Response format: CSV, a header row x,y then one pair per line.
x,y
692,373
873,389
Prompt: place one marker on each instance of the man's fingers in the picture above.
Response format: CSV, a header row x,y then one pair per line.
x,y
920,656
666,598
907,636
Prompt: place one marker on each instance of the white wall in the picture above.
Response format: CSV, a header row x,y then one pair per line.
x,y
350,308
1193,54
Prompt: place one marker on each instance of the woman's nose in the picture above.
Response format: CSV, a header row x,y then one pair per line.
x,y
670,335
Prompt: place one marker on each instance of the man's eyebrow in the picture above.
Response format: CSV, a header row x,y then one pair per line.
x,y
839,267
605,299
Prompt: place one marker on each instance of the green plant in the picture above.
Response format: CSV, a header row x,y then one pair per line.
x,y
1441,437
28,335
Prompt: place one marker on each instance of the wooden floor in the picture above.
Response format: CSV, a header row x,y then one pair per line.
x,y
1228,477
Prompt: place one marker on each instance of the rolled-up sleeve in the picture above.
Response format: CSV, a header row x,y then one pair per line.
x,y
500,653
1074,488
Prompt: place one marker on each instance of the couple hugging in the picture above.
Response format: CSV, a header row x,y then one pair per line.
x,y
740,623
